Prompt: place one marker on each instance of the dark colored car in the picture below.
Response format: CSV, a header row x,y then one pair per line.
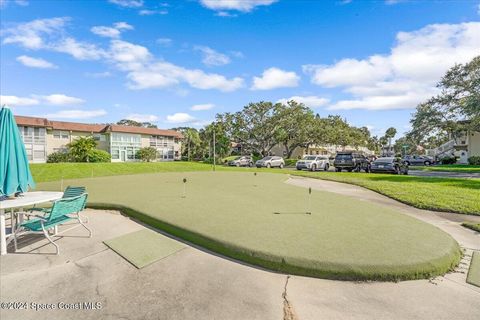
x,y
389,165
418,160
351,161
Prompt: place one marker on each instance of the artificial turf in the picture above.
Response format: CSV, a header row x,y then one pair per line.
x,y
440,194
263,221
473,276
144,247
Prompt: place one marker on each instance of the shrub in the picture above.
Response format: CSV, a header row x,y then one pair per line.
x,y
147,154
474,160
290,162
448,160
59,156
97,155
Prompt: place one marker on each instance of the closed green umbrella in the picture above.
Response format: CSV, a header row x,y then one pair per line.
x,y
15,173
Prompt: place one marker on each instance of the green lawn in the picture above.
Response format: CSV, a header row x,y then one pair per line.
x,y
56,171
472,225
442,194
449,168
261,220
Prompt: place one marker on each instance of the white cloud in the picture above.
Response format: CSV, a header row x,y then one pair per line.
x,y
59,99
165,42
275,78
146,12
30,35
35,62
108,32
128,3
212,57
49,34
164,74
180,117
79,50
111,32
18,101
122,26
142,117
76,114
309,101
349,72
225,14
238,5
407,75
143,70
202,107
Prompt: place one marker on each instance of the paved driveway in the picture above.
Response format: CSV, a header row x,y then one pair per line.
x,y
194,284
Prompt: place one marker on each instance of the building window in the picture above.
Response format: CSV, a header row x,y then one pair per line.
x,y
58,134
99,137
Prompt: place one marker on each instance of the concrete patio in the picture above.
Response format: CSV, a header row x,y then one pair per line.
x,y
194,284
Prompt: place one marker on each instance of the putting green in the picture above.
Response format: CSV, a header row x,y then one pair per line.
x,y
233,213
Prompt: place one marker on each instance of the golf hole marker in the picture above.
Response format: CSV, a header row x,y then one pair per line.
x,y
184,188
309,209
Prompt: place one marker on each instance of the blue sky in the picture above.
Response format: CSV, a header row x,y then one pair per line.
x,y
180,62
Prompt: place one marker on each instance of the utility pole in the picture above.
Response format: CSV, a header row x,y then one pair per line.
x,y
214,160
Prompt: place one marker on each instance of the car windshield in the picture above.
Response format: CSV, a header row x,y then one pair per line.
x,y
309,158
267,158
384,160
343,156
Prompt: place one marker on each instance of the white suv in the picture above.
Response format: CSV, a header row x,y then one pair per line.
x,y
313,163
270,162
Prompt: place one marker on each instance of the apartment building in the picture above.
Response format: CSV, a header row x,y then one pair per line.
x,y
42,137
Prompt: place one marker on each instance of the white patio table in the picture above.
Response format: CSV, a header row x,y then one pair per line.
x,y
27,199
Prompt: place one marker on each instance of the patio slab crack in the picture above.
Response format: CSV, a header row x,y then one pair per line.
x,y
288,311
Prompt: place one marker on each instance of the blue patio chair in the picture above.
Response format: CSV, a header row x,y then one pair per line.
x,y
63,210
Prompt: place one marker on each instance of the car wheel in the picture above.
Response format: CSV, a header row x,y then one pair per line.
x,y
299,169
338,169
313,167
325,168
269,165
281,165
427,163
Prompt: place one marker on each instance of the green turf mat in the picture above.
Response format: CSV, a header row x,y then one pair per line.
x,y
144,247
473,276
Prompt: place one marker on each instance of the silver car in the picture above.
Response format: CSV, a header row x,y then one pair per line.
x,y
270,162
241,161
313,163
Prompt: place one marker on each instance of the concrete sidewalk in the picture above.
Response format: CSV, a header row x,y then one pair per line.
x,y
194,284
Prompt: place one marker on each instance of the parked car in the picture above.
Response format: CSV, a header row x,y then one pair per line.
x,y
313,163
351,161
418,160
389,165
270,162
241,161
